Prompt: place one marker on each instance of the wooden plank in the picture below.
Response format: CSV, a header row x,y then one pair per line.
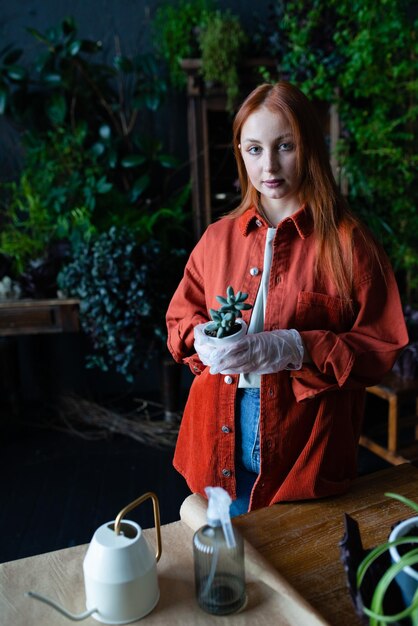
x,y
27,317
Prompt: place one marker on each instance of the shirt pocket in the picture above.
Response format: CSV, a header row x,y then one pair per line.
x,y
320,311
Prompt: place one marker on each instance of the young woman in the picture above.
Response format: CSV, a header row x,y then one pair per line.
x,y
283,421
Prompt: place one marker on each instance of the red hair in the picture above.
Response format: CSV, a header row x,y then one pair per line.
x,y
333,220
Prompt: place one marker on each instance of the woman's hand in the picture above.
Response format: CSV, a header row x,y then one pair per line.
x,y
202,344
258,353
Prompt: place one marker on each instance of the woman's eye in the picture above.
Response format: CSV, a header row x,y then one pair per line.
x,y
254,150
286,146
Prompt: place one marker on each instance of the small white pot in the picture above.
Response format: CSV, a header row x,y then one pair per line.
x,y
218,341
407,579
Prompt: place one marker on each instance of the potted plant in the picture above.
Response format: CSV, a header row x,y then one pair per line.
x,y
227,323
176,27
221,44
403,548
200,32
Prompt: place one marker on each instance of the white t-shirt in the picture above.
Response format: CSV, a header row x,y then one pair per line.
x,y
257,317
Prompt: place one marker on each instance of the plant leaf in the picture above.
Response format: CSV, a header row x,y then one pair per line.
x,y
3,100
133,160
74,47
403,499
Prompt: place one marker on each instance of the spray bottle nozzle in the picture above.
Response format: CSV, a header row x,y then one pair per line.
x,y
218,511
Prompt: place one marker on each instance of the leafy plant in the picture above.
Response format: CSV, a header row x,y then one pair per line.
x,y
221,42
196,29
224,319
90,157
124,288
54,197
176,28
408,558
362,59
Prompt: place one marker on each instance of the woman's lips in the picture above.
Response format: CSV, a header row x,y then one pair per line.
x,y
272,184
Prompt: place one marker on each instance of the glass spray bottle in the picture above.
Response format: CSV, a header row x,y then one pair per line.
x,y
219,558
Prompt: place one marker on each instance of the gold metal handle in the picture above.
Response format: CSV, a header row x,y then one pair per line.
x,y
156,508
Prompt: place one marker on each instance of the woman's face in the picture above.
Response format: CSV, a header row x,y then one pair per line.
x,y
269,152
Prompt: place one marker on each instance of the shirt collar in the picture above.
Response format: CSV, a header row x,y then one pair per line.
x,y
302,220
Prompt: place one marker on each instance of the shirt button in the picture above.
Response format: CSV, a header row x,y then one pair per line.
x,y
254,271
258,223
195,368
278,279
228,380
226,472
225,429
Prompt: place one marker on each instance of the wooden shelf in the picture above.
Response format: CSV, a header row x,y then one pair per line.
x,y
396,391
28,317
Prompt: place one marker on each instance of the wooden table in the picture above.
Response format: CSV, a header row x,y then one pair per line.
x,y
301,539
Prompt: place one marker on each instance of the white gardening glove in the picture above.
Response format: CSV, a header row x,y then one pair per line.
x,y
259,353
202,343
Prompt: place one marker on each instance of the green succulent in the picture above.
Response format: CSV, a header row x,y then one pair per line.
x,y
224,319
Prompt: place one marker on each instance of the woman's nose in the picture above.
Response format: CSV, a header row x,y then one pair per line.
x,y
271,162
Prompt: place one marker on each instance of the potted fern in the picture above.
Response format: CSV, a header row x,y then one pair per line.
x,y
403,549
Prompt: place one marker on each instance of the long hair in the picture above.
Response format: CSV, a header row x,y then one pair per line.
x,y
333,220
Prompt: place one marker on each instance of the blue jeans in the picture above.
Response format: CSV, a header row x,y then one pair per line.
x,y
247,462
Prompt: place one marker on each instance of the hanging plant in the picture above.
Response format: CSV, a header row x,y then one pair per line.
x,y
124,287
221,44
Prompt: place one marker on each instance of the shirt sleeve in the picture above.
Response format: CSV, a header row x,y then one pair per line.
x,y
361,356
187,309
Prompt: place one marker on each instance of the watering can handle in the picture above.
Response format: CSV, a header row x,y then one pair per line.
x,y
156,508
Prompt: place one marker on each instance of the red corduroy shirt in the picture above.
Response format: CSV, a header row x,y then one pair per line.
x,y
310,419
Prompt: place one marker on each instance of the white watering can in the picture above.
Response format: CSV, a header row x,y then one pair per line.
x,y
120,571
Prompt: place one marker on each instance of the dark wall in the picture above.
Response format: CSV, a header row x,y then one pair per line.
x,y
103,19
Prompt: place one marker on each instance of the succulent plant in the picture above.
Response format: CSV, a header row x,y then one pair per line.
x,y
224,319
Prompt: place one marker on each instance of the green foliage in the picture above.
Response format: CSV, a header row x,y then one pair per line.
x,y
176,29
54,197
221,42
195,29
85,124
124,288
95,176
362,56
408,559
224,318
